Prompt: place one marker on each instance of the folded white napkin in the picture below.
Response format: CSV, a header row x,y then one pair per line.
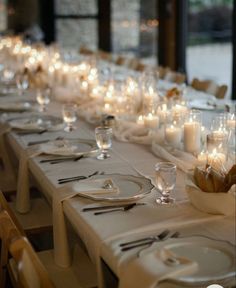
x,y
184,161
152,268
59,148
96,187
33,126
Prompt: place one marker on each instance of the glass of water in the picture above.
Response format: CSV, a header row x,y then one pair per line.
x,y
22,83
103,137
43,98
165,174
69,116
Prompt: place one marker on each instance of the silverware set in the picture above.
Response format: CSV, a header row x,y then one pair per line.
x,y
147,241
44,141
111,208
31,132
62,159
78,178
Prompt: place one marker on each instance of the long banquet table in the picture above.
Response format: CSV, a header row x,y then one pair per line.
x,y
103,234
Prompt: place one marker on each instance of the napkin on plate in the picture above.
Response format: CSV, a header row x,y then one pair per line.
x,y
153,268
59,148
96,187
184,161
28,125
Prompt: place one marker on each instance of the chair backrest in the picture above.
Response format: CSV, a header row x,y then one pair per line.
x,y
104,55
120,60
86,51
30,272
175,77
210,87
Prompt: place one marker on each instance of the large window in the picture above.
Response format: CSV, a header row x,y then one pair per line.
x,y
209,51
3,16
135,28
76,23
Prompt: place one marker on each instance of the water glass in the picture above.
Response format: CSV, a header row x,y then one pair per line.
x,y
69,116
22,83
165,174
43,98
103,136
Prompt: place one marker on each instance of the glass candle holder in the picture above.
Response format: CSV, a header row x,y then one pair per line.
x,y
217,151
192,132
173,134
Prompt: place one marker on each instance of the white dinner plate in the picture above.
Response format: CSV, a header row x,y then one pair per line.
x,y
69,147
216,259
36,122
131,188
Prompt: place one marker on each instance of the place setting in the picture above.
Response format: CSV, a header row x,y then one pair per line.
x,y
36,124
180,260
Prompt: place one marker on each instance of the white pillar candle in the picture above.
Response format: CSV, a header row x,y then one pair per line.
x,y
192,136
140,120
173,135
151,121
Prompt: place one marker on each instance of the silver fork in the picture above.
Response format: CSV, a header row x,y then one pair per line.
x,y
174,235
150,239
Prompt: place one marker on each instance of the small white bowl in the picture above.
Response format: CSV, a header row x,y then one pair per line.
x,y
212,203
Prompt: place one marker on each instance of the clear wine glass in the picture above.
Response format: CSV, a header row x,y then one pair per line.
x,y
43,98
165,173
103,137
69,116
22,83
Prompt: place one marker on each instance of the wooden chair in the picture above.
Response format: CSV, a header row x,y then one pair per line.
x,y
80,274
25,269
104,55
210,87
85,51
38,220
120,60
167,74
175,77
162,71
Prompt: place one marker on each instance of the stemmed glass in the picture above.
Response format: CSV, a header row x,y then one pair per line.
x,y
69,116
43,98
22,83
165,173
103,137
